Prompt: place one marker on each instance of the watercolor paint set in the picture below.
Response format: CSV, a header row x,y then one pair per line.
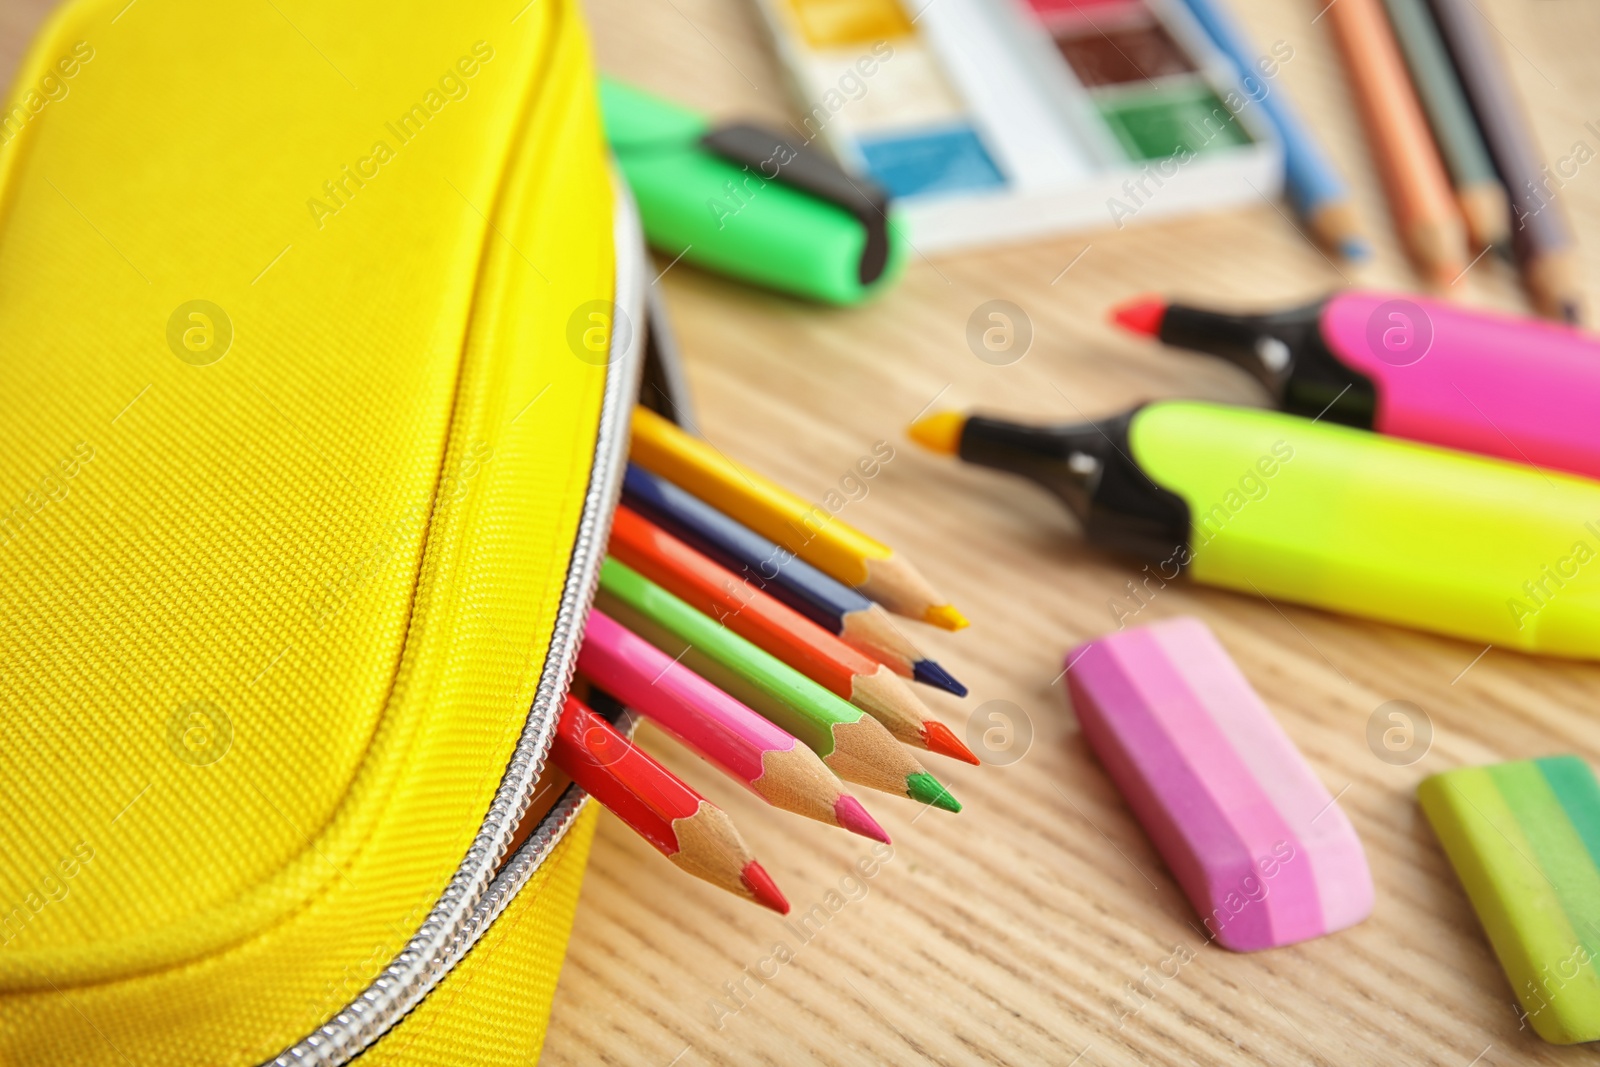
x,y
995,120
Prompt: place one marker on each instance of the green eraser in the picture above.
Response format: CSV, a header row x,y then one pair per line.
x,y
1524,838
748,219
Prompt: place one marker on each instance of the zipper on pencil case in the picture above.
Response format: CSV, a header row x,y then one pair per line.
x,y
450,931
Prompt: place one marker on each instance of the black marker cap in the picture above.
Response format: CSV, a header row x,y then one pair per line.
x,y
1091,467
1285,351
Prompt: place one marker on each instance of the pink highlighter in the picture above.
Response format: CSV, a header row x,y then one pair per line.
x,y
1521,389
1261,850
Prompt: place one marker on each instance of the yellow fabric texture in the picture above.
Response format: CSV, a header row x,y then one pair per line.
x,y
480,1014
278,570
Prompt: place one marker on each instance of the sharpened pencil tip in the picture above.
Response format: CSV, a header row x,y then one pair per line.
x,y
1335,226
1142,314
853,817
925,788
1355,250
938,738
928,672
939,432
763,888
945,617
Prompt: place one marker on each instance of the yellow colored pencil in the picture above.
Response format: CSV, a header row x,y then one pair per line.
x,y
808,530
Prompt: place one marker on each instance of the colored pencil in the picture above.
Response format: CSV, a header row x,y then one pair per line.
x,y
1316,189
808,530
834,606
1541,239
1424,209
852,743
718,728
659,806
785,633
1478,190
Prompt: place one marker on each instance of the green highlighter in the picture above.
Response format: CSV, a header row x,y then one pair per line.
x,y
1291,508
749,202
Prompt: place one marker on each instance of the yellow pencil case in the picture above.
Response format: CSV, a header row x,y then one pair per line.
x,y
315,422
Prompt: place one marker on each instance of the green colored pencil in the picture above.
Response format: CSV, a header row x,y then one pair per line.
x,y
855,745
1478,189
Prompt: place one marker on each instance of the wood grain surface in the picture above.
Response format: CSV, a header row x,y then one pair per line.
x,y
1014,932
1010,934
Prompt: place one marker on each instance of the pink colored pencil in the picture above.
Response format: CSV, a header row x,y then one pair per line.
x,y
720,729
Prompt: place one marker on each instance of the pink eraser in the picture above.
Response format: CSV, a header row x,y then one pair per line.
x,y
1255,840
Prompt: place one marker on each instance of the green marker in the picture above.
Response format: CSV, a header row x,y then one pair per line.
x,y
1295,509
856,746
744,201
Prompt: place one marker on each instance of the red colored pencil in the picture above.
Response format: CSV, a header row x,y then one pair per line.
x,y
659,806
770,761
770,625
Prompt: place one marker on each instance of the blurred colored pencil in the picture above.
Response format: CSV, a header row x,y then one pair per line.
x,y
808,530
1541,239
1424,208
659,806
1316,189
1478,190
834,606
785,633
776,767
852,743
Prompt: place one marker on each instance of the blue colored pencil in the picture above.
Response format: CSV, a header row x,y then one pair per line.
x,y
1315,188
826,601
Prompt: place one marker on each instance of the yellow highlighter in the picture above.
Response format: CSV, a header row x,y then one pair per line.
x,y
808,530
1288,508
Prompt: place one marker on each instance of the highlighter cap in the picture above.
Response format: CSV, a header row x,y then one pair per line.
x,y
635,118
751,203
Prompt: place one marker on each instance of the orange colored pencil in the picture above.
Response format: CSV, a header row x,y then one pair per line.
x,y
1424,206
781,631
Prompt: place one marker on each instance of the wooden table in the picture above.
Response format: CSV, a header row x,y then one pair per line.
x,y
1012,933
